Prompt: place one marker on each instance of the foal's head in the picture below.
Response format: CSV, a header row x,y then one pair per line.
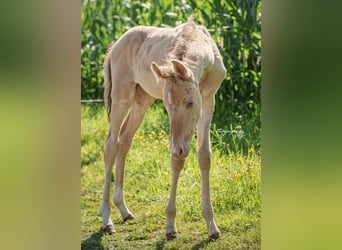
x,y
182,100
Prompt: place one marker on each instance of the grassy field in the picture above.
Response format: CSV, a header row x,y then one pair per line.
x,y
235,191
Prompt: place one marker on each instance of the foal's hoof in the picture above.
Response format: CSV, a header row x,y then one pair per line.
x,y
129,217
215,236
171,236
108,229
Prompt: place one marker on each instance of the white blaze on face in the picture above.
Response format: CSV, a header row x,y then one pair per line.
x,y
170,102
169,99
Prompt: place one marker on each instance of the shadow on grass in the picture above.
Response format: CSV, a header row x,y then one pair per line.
x,y
160,245
93,242
201,244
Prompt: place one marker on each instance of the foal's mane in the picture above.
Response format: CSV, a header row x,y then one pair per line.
x,y
187,35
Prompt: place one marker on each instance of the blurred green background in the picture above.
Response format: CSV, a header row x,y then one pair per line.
x,y
301,123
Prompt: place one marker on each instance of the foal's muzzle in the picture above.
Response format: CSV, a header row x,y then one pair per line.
x,y
179,151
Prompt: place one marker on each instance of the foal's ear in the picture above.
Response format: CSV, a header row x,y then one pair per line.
x,y
159,71
181,70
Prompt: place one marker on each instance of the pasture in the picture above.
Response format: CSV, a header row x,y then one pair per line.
x,y
235,189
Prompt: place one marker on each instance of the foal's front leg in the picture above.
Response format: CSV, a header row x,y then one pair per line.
x,y
170,211
204,161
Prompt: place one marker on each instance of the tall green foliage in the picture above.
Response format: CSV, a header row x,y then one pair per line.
x,y
235,26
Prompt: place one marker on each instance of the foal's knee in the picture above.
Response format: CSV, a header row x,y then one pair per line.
x,y
204,158
111,143
110,149
125,141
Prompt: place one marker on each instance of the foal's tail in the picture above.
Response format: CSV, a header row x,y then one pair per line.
x,y
107,84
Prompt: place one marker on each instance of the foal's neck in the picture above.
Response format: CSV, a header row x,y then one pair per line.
x,y
196,67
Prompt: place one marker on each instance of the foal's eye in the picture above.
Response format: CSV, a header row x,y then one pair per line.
x,y
190,104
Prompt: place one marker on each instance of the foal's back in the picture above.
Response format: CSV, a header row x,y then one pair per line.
x,y
134,52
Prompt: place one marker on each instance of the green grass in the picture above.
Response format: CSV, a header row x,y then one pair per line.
x,y
235,191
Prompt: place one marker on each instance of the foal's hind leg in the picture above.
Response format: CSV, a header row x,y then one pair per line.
x,y
121,99
139,106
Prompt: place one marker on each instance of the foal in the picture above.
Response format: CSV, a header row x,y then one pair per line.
x,y
183,67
